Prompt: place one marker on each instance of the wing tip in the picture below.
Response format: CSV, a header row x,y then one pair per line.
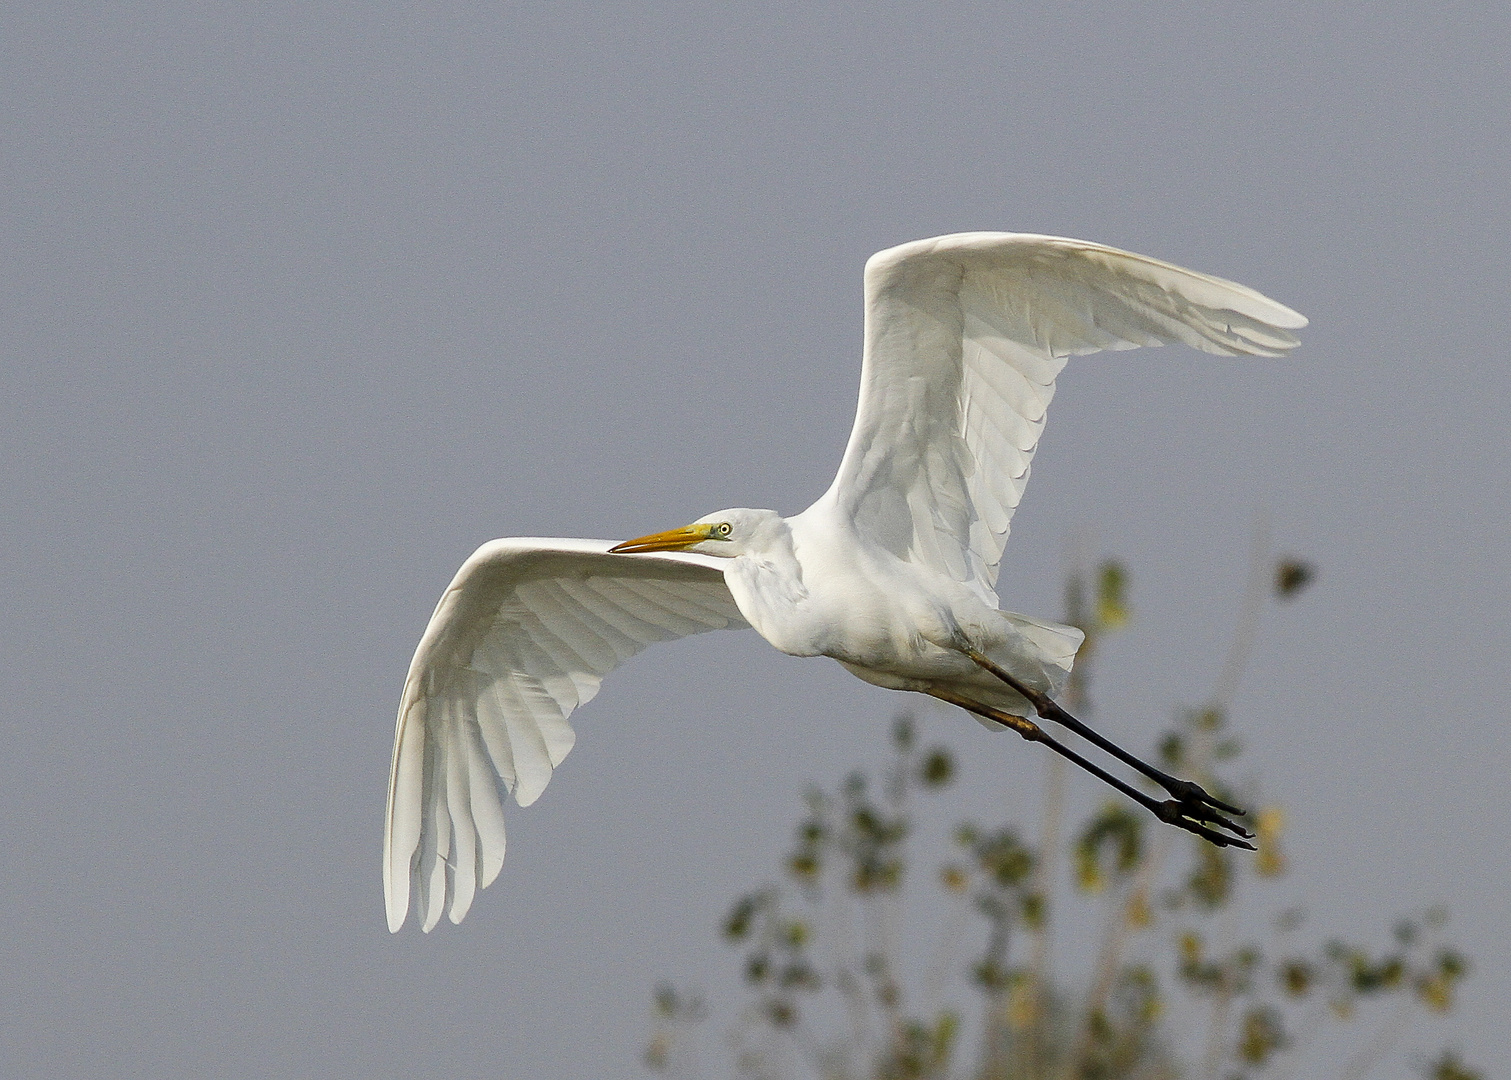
x,y
395,893
459,911
1272,313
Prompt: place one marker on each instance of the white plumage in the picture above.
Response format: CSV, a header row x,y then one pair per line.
x,y
522,636
892,571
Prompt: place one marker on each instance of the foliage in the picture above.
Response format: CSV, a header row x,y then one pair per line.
x,y
835,1004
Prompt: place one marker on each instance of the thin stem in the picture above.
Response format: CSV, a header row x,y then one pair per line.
x,y
847,962
1109,960
1309,1027
1380,1045
949,933
1247,629
1045,880
1220,1006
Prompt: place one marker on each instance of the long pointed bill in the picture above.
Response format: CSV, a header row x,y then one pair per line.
x,y
671,540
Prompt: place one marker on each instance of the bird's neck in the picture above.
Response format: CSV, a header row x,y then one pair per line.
x,y
767,584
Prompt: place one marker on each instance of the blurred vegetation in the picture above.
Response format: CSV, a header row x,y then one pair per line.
x,y
823,950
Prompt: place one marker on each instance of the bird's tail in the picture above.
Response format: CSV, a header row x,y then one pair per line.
x,y
1052,644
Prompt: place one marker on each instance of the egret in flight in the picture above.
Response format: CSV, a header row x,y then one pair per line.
x,y
892,571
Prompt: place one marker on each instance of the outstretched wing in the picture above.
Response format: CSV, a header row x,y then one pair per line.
x,y
521,637
964,337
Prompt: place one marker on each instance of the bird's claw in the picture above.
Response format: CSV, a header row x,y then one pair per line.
x,y
1193,794
1195,818
1194,809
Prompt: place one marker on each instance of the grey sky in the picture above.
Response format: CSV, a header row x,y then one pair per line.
x,y
301,302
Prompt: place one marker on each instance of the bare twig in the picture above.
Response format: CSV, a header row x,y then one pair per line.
x,y
1390,1032
1247,629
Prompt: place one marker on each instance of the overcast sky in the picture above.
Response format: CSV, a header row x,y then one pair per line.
x,y
302,302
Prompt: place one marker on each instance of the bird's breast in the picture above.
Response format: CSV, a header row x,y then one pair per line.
x,y
776,603
847,611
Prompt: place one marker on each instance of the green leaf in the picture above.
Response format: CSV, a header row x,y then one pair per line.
x,y
1112,595
938,768
1292,576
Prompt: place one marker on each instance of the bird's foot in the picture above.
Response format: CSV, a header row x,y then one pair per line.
x,y
1198,818
1185,791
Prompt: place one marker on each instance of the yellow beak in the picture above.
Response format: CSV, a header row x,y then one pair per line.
x,y
671,540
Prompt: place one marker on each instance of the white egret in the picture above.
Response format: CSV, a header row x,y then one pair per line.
x,y
891,572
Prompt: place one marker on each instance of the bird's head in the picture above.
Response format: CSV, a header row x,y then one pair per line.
x,y
728,533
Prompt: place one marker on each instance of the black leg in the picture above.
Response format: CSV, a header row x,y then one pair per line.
x,y
1182,813
1184,790
1193,817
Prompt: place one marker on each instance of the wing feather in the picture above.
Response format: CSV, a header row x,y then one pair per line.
x,y
965,336
493,727
487,810
524,634
459,807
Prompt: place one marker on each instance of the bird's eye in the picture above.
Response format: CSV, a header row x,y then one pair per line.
x,y
723,530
